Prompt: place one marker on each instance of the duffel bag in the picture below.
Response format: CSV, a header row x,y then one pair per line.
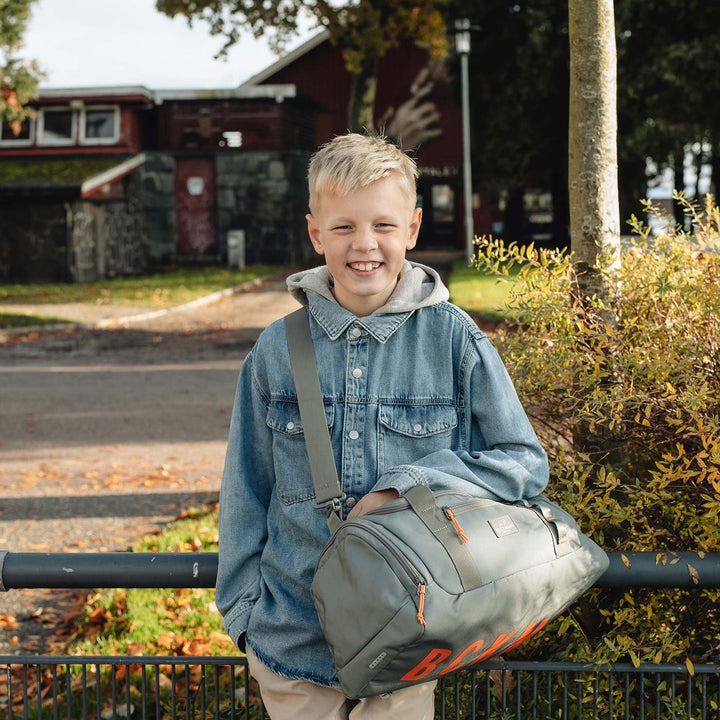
x,y
435,582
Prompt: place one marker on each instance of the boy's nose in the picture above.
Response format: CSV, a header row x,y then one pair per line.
x,y
364,240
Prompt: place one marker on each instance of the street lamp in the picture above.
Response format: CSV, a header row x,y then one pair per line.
x,y
462,46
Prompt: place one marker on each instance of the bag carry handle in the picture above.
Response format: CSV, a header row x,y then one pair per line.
x,y
328,493
422,501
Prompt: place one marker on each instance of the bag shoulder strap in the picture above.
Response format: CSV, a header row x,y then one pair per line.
x,y
328,493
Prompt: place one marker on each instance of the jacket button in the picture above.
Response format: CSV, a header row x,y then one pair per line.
x,y
353,434
417,427
350,502
357,372
290,426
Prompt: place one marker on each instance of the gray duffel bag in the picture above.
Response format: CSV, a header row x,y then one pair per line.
x,y
431,582
403,599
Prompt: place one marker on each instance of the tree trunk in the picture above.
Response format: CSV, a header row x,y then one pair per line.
x,y
361,107
593,195
592,167
679,185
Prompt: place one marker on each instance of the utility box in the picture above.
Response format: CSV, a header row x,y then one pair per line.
x,y
236,249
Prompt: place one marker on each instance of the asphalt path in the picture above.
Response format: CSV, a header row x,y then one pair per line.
x,y
109,434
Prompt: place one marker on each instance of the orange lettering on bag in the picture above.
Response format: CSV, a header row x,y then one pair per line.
x,y
502,643
529,631
458,661
494,649
425,667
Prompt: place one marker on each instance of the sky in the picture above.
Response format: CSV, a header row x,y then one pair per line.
x,y
86,43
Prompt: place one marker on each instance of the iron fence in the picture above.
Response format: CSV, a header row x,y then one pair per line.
x,y
220,688
201,688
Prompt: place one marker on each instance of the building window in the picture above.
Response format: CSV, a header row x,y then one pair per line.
x,y
100,126
24,137
57,126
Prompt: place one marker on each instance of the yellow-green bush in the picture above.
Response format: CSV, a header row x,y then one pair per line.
x,y
646,390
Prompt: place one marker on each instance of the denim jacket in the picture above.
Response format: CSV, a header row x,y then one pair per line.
x,y
414,393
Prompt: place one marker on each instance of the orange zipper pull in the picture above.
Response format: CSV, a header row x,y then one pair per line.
x,y
421,605
451,517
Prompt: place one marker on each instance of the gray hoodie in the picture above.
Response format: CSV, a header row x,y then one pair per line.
x,y
419,286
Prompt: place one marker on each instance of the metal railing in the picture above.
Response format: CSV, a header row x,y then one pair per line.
x,y
220,688
200,688
188,570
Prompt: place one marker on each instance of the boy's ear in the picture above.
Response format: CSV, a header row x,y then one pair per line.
x,y
314,233
415,222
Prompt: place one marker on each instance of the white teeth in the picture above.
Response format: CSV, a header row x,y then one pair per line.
x,y
364,267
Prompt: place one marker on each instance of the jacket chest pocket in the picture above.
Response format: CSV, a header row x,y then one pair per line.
x,y
293,479
409,432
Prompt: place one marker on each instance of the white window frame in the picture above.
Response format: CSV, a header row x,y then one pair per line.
x,y
84,140
41,140
12,141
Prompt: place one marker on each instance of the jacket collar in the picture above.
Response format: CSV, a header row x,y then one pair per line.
x,y
419,286
336,320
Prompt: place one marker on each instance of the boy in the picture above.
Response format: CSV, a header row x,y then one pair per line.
x,y
413,393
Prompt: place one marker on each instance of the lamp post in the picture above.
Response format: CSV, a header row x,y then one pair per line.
x,y
462,46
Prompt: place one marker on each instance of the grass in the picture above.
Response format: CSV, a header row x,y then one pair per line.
x,y
159,290
141,621
15,320
477,293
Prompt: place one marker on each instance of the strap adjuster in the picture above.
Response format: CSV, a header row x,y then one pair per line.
x,y
334,504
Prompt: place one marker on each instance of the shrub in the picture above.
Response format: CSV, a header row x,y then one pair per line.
x,y
630,415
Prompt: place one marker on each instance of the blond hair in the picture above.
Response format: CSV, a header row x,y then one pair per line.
x,y
353,161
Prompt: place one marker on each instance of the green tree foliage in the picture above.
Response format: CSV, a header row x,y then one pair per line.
x,y
364,30
653,383
18,78
519,78
667,61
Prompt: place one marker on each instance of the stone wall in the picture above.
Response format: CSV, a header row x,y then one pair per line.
x,y
158,200
264,193
108,238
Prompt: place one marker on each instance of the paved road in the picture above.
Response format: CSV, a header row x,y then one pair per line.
x,y
106,435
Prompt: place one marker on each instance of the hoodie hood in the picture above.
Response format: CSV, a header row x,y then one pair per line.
x,y
419,286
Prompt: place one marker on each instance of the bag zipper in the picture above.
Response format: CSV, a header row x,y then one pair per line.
x,y
410,570
467,505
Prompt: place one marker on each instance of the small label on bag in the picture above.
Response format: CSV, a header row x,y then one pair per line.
x,y
377,660
503,526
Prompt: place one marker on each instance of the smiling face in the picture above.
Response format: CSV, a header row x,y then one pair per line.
x,y
364,236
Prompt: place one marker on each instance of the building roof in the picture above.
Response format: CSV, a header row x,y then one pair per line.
x,y
64,176
249,92
119,92
286,60
276,92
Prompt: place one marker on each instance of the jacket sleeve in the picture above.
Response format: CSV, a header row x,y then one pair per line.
x,y
503,459
245,493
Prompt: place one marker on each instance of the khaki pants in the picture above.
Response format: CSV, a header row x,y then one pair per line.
x,y
287,699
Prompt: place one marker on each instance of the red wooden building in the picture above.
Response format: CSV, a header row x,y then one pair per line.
x,y
110,181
